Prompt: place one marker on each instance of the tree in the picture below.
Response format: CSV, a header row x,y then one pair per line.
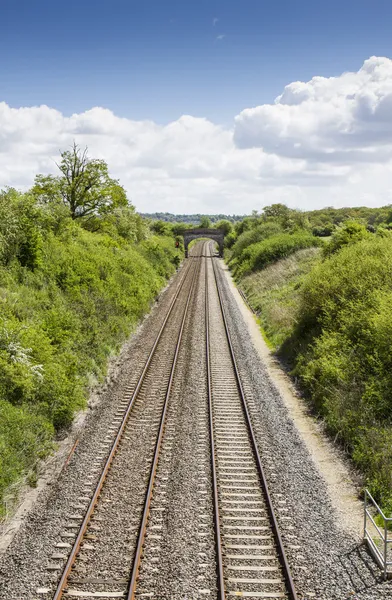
x,y
205,222
349,233
276,211
160,227
225,225
84,186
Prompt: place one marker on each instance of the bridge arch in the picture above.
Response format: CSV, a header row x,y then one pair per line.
x,y
214,234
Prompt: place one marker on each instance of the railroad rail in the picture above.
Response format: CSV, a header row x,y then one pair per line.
x,y
188,281
250,557
251,560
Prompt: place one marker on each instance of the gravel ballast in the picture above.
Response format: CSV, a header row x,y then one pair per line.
x,y
179,557
327,563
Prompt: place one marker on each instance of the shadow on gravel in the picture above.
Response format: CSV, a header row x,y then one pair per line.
x,y
361,570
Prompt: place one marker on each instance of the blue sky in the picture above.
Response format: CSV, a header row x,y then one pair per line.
x,y
119,76
159,59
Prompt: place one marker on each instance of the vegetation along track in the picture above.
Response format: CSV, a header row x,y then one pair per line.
x,y
250,558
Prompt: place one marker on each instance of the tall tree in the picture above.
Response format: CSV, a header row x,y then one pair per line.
x,y
205,222
84,186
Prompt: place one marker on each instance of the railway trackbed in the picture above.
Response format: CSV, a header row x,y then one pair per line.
x,y
251,559
249,556
113,545
90,528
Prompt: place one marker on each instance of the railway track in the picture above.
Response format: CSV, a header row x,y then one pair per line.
x,y
141,412
250,558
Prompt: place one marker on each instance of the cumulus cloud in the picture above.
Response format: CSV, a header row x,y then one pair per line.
x,y
327,141
339,120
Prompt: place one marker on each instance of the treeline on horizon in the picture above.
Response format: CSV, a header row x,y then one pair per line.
x,y
322,221
321,284
190,219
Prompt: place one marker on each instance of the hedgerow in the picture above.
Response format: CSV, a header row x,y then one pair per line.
x,y
329,315
257,256
342,353
254,235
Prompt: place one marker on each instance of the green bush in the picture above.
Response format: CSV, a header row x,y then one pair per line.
x,y
343,354
348,233
24,438
258,256
254,235
323,230
68,299
329,314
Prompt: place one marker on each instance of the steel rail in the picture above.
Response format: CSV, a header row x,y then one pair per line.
x,y
290,587
94,500
218,540
147,503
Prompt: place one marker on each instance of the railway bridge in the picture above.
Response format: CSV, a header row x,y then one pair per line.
x,y
217,235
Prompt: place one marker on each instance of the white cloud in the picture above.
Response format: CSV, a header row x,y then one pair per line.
x,y
339,120
323,142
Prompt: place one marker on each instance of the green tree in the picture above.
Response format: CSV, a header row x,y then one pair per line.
x,y
225,225
160,227
84,186
20,229
349,233
205,222
276,211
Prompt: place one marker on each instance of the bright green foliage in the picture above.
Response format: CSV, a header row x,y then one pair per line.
x,y
160,227
255,234
230,240
329,314
122,223
349,233
344,359
20,229
225,225
259,255
205,222
24,438
84,186
276,211
68,299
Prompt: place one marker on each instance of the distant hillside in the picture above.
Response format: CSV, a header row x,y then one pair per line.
x,y
194,219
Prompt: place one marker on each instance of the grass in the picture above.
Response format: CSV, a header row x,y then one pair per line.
x,y
274,294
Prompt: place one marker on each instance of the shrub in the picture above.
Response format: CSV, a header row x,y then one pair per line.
x,y
343,342
259,255
323,230
254,235
24,438
230,239
68,299
349,233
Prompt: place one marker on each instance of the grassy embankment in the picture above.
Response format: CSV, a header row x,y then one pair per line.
x,y
69,297
328,313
